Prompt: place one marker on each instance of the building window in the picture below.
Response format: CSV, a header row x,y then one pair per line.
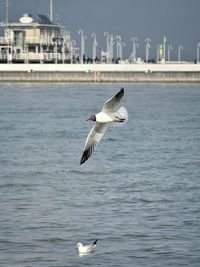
x,y
19,38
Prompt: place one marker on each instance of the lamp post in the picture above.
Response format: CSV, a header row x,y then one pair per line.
x,y
83,38
135,45
41,53
63,47
180,47
170,48
94,48
164,43
56,51
6,30
121,50
106,34
118,45
110,48
51,10
72,44
198,47
147,41
159,46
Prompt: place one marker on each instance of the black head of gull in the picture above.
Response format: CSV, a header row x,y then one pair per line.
x,y
92,118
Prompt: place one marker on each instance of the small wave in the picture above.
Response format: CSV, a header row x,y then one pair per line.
x,y
14,185
8,185
135,235
87,172
75,171
53,240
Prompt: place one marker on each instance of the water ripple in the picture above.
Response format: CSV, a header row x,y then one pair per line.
x,y
138,195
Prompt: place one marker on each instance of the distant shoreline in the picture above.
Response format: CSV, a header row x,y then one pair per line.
x,y
108,73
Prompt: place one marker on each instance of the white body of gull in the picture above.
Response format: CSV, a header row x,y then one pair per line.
x,y
85,250
111,112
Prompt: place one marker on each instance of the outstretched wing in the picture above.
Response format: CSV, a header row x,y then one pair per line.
x,y
92,140
112,104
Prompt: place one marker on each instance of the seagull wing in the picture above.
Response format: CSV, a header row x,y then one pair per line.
x,y
93,139
91,247
112,104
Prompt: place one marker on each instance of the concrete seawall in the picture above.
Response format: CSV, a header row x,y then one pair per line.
x,y
100,73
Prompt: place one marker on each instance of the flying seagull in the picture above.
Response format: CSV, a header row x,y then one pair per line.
x,y
112,112
86,249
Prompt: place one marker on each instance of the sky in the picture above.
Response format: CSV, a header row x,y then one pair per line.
x,y
178,20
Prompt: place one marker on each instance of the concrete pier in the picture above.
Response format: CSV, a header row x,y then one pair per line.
x,y
100,72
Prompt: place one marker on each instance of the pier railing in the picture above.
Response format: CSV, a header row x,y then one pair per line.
x,y
31,57
48,40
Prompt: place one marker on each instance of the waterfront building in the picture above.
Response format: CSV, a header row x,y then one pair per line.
x,y
35,39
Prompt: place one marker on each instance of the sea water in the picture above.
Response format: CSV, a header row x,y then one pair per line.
x,y
139,194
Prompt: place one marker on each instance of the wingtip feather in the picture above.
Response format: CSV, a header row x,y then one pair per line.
x,y
87,154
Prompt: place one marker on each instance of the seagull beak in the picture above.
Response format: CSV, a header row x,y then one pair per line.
x,y
90,118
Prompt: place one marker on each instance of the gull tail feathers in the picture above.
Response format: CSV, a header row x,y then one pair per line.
x,y
95,242
121,116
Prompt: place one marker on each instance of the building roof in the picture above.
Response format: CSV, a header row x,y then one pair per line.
x,y
30,20
41,19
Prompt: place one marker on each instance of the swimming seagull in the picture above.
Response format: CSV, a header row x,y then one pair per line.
x,y
85,250
111,112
